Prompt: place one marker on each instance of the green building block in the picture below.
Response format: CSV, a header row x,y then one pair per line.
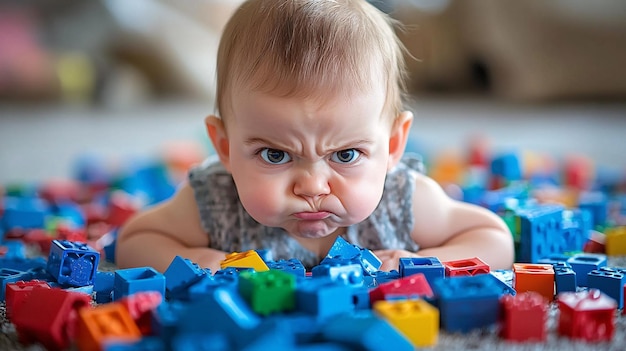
x,y
268,291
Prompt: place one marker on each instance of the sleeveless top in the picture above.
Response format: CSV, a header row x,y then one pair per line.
x,y
232,229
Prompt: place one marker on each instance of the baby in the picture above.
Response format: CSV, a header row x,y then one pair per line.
x,y
310,137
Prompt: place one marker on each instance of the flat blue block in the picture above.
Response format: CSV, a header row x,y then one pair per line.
x,y
582,264
431,267
363,330
610,281
8,275
468,302
72,264
133,280
23,264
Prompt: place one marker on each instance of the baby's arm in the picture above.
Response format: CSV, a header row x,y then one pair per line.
x,y
453,230
154,237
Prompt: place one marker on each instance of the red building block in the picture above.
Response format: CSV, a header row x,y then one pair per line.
x,y
466,267
524,317
107,322
587,315
140,306
17,292
534,277
410,287
121,207
48,316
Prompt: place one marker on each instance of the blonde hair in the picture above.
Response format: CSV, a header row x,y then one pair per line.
x,y
307,48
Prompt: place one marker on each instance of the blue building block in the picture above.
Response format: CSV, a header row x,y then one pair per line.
x,y
507,166
370,262
132,280
15,249
582,264
24,213
181,274
351,274
541,232
554,258
23,264
610,281
292,266
505,286
200,342
597,204
468,302
209,283
103,286
343,249
323,298
8,275
431,267
226,313
70,213
146,343
72,264
382,277
363,330
564,277
266,255
577,226
165,320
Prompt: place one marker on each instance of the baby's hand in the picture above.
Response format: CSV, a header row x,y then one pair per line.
x,y
391,258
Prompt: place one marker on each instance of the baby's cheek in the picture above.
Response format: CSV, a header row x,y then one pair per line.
x,y
260,202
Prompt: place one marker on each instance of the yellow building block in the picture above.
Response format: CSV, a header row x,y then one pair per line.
x,y
417,320
248,259
616,241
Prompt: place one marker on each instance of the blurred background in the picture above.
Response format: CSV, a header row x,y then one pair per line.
x,y
125,80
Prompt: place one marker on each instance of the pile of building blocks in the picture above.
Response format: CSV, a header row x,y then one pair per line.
x,y
61,298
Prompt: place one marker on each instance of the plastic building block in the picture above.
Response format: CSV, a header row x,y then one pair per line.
x,y
230,315
149,343
588,315
181,274
564,277
269,291
467,303
577,226
323,298
417,320
431,267
24,213
133,280
540,232
73,264
343,249
505,168
7,276
106,322
616,241
351,274
48,316
411,287
554,258
363,330
466,267
292,266
165,319
610,281
597,203
248,259
140,306
382,277
200,342
535,277
17,292
14,249
370,262
103,286
524,317
582,264
504,281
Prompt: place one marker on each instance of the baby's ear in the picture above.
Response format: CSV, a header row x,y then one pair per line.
x,y
398,137
217,133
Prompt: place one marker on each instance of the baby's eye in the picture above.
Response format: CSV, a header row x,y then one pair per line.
x,y
345,156
275,157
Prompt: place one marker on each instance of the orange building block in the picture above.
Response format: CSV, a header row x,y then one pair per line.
x,y
534,277
105,323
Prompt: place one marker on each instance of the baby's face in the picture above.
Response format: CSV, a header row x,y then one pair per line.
x,y
308,166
